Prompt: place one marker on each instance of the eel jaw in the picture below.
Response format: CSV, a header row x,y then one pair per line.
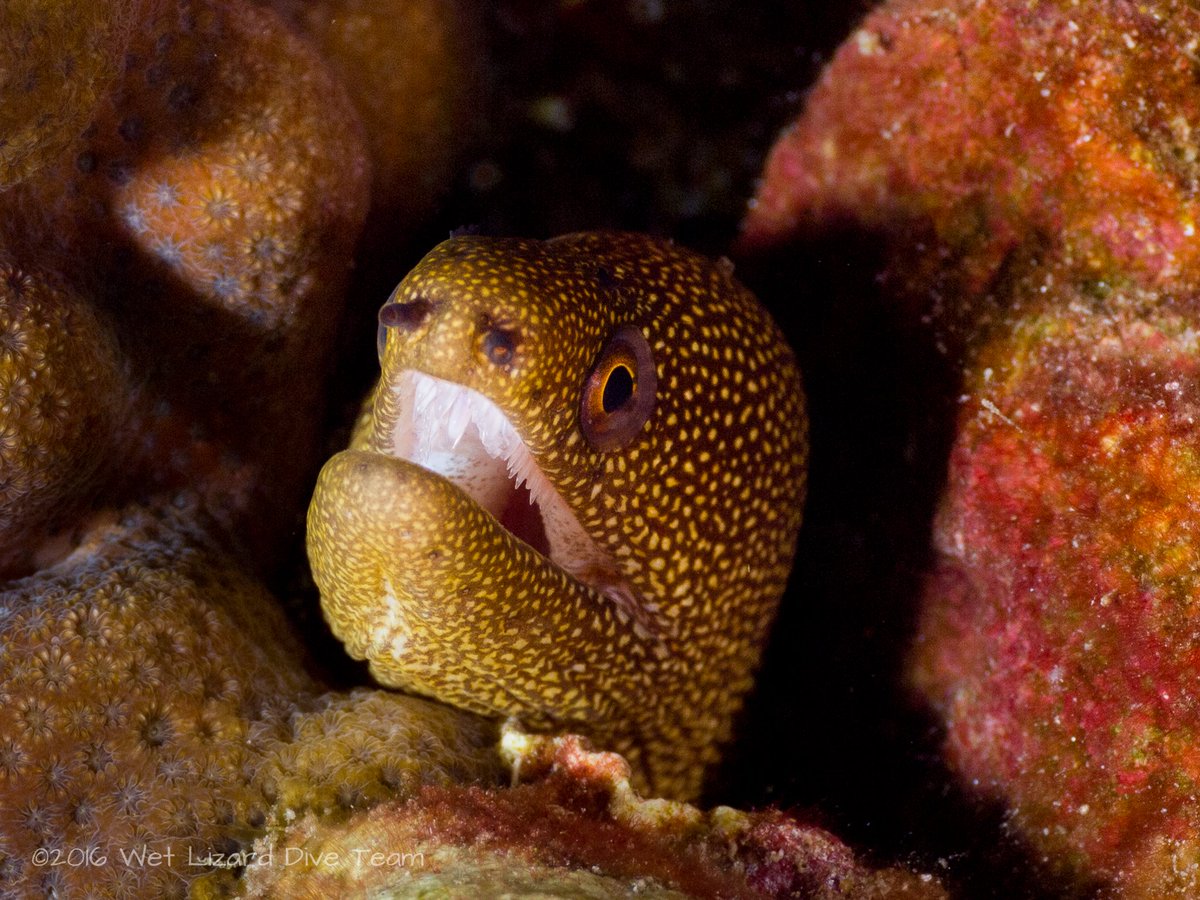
x,y
458,433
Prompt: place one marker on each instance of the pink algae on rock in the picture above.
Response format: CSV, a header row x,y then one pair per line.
x,y
573,827
983,126
1032,169
1059,640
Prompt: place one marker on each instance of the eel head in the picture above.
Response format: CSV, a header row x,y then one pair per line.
x,y
573,497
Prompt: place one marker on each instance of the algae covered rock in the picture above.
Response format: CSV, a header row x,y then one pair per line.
x,y
574,827
1031,171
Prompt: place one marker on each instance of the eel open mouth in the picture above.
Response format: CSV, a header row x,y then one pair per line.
x,y
461,435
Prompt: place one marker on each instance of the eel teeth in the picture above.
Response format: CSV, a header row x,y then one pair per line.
x,y
463,436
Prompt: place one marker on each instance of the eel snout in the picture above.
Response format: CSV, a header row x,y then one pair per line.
x,y
414,573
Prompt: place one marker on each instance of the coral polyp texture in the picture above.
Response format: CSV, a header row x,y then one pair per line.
x,y
122,727
575,496
60,59
174,251
1032,170
575,828
64,388
214,203
209,210
155,701
420,107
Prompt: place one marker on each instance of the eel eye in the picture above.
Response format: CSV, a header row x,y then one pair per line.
x,y
500,346
619,394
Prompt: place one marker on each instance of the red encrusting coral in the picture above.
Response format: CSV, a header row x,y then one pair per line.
x,y
980,127
180,210
1059,640
1032,169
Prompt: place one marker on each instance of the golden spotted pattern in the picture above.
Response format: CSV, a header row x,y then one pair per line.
x,y
698,510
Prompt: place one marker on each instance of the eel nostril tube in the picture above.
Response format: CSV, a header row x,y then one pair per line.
x,y
408,316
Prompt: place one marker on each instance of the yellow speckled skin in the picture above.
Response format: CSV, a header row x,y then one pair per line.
x,y
699,509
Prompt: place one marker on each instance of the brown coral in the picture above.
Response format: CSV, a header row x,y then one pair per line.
x,y
154,701
214,207
122,728
64,390
171,287
415,73
59,60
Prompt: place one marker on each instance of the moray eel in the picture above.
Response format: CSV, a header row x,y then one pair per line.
x,y
573,497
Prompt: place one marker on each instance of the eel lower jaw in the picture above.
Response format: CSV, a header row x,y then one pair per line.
x,y
459,434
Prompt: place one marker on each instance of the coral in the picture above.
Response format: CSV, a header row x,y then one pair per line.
x,y
132,673
59,60
63,391
353,750
971,130
213,208
1059,634
575,828
170,289
1033,173
415,73
655,414
155,701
